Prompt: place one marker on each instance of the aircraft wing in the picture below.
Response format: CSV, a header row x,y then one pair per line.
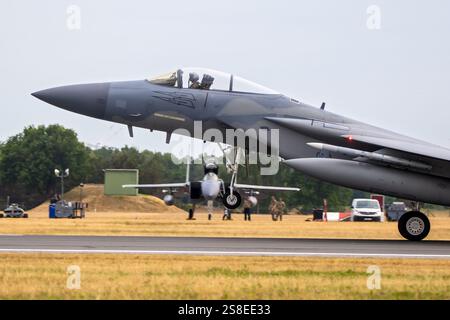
x,y
155,186
270,188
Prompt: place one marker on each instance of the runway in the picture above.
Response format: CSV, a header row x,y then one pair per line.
x,y
226,246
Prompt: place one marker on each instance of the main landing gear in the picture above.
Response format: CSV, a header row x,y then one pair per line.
x,y
230,197
414,225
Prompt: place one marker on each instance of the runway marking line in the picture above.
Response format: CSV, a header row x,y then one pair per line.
x,y
239,253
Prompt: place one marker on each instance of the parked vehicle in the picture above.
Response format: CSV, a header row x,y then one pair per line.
x,y
366,210
14,211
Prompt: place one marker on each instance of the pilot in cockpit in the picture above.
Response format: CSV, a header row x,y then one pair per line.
x,y
207,82
194,82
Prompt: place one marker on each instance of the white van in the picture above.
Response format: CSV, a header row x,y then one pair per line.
x,y
366,210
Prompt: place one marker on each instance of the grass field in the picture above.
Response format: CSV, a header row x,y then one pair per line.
x,y
175,224
107,276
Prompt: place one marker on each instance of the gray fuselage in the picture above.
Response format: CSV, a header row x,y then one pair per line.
x,y
165,108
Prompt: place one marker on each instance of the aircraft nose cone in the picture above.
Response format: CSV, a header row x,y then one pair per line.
x,y
86,99
210,189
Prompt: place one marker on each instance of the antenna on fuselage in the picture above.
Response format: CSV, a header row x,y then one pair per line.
x,y
322,107
130,131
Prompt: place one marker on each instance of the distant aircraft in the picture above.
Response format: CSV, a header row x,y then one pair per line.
x,y
312,140
210,188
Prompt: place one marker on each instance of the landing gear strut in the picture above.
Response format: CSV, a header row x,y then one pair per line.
x,y
210,209
414,225
231,198
191,213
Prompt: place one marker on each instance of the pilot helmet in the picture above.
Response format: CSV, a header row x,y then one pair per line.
x,y
193,77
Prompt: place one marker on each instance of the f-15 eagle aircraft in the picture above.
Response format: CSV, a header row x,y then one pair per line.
x,y
312,140
210,188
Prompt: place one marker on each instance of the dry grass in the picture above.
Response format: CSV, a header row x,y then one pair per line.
x,y
175,224
43,276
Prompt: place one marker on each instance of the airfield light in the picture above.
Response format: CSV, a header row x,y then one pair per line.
x,y
81,191
59,174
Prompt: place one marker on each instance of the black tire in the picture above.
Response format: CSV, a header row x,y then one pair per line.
x,y
232,202
25,215
414,225
2,215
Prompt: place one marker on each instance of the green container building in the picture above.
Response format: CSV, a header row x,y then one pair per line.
x,y
116,178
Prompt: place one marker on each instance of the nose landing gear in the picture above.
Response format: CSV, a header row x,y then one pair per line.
x,y
414,225
232,201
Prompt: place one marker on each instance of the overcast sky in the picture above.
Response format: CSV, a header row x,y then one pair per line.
x,y
389,67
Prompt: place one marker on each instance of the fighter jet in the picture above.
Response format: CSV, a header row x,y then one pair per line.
x,y
209,189
312,140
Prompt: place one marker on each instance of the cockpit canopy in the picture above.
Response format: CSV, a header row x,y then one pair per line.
x,y
207,79
211,167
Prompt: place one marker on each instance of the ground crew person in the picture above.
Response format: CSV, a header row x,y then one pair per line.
x,y
247,210
55,198
226,214
281,207
273,207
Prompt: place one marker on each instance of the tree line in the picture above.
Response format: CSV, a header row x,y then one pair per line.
x,y
28,160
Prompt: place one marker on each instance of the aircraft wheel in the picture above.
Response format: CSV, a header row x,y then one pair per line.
x,y
232,201
414,225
